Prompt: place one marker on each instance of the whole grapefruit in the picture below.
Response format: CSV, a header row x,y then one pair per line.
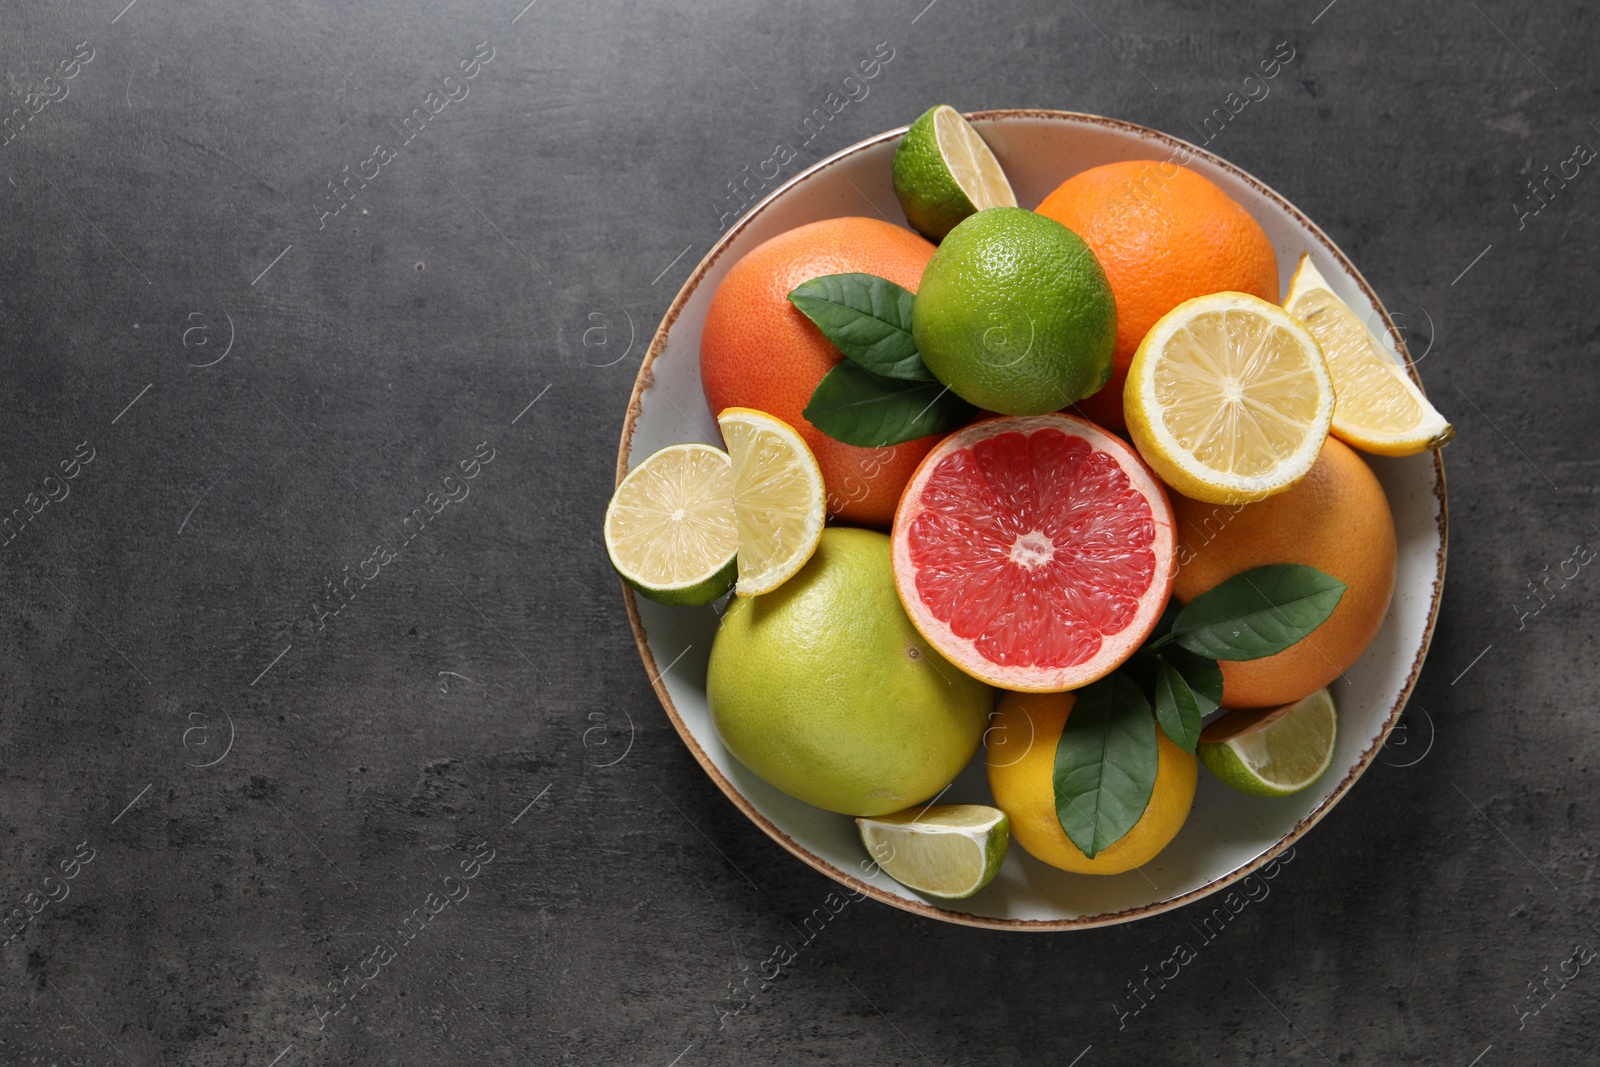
x,y
758,351
1335,519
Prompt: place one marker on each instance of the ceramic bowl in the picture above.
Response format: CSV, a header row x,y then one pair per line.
x,y
1228,835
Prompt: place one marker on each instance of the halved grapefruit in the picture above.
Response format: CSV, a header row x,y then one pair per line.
x,y
1035,553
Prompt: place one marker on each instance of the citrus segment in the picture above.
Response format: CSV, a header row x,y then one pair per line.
x,y
1229,398
1379,408
1034,552
970,160
949,850
777,498
1273,755
670,529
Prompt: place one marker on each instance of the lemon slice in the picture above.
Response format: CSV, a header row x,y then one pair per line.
x,y
1272,752
943,172
670,528
950,851
1380,409
777,498
1229,398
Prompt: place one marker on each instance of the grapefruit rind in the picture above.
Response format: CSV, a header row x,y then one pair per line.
x,y
1115,647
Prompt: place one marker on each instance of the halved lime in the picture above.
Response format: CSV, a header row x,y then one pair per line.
x,y
949,850
943,172
670,528
1272,752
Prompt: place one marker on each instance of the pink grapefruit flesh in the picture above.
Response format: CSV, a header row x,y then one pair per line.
x,y
1035,553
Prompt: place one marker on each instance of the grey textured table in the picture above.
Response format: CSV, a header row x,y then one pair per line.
x,y
242,345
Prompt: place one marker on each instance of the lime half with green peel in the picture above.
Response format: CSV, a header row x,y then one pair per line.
x,y
949,851
944,172
1272,752
670,529
1014,314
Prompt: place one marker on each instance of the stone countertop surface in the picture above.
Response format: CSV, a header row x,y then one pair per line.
x,y
271,272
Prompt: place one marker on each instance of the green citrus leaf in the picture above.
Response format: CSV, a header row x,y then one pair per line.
x,y
1202,674
1141,668
1177,710
1164,624
1105,763
1258,613
856,406
868,319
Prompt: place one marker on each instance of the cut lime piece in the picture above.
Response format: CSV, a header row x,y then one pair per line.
x,y
949,851
943,172
1272,752
778,498
670,529
1379,408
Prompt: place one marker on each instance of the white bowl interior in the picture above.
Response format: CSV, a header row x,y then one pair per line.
x,y
1228,832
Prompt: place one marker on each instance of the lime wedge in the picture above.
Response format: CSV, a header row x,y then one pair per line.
x,y
950,850
943,172
1272,752
670,528
777,498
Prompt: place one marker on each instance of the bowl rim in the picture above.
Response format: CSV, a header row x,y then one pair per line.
x,y
646,378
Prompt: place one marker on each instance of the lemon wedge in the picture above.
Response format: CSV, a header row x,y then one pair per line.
x,y
1380,409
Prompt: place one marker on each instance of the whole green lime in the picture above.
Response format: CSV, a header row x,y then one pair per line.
x,y
823,687
1015,314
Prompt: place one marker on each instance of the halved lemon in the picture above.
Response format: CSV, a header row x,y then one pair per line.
x,y
777,498
1272,752
1229,398
670,528
1380,409
943,172
950,851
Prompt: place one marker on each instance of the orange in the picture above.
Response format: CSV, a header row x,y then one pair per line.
x,y
1022,758
1335,519
1164,235
758,351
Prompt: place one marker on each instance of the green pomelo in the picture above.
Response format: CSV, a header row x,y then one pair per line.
x,y
824,688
